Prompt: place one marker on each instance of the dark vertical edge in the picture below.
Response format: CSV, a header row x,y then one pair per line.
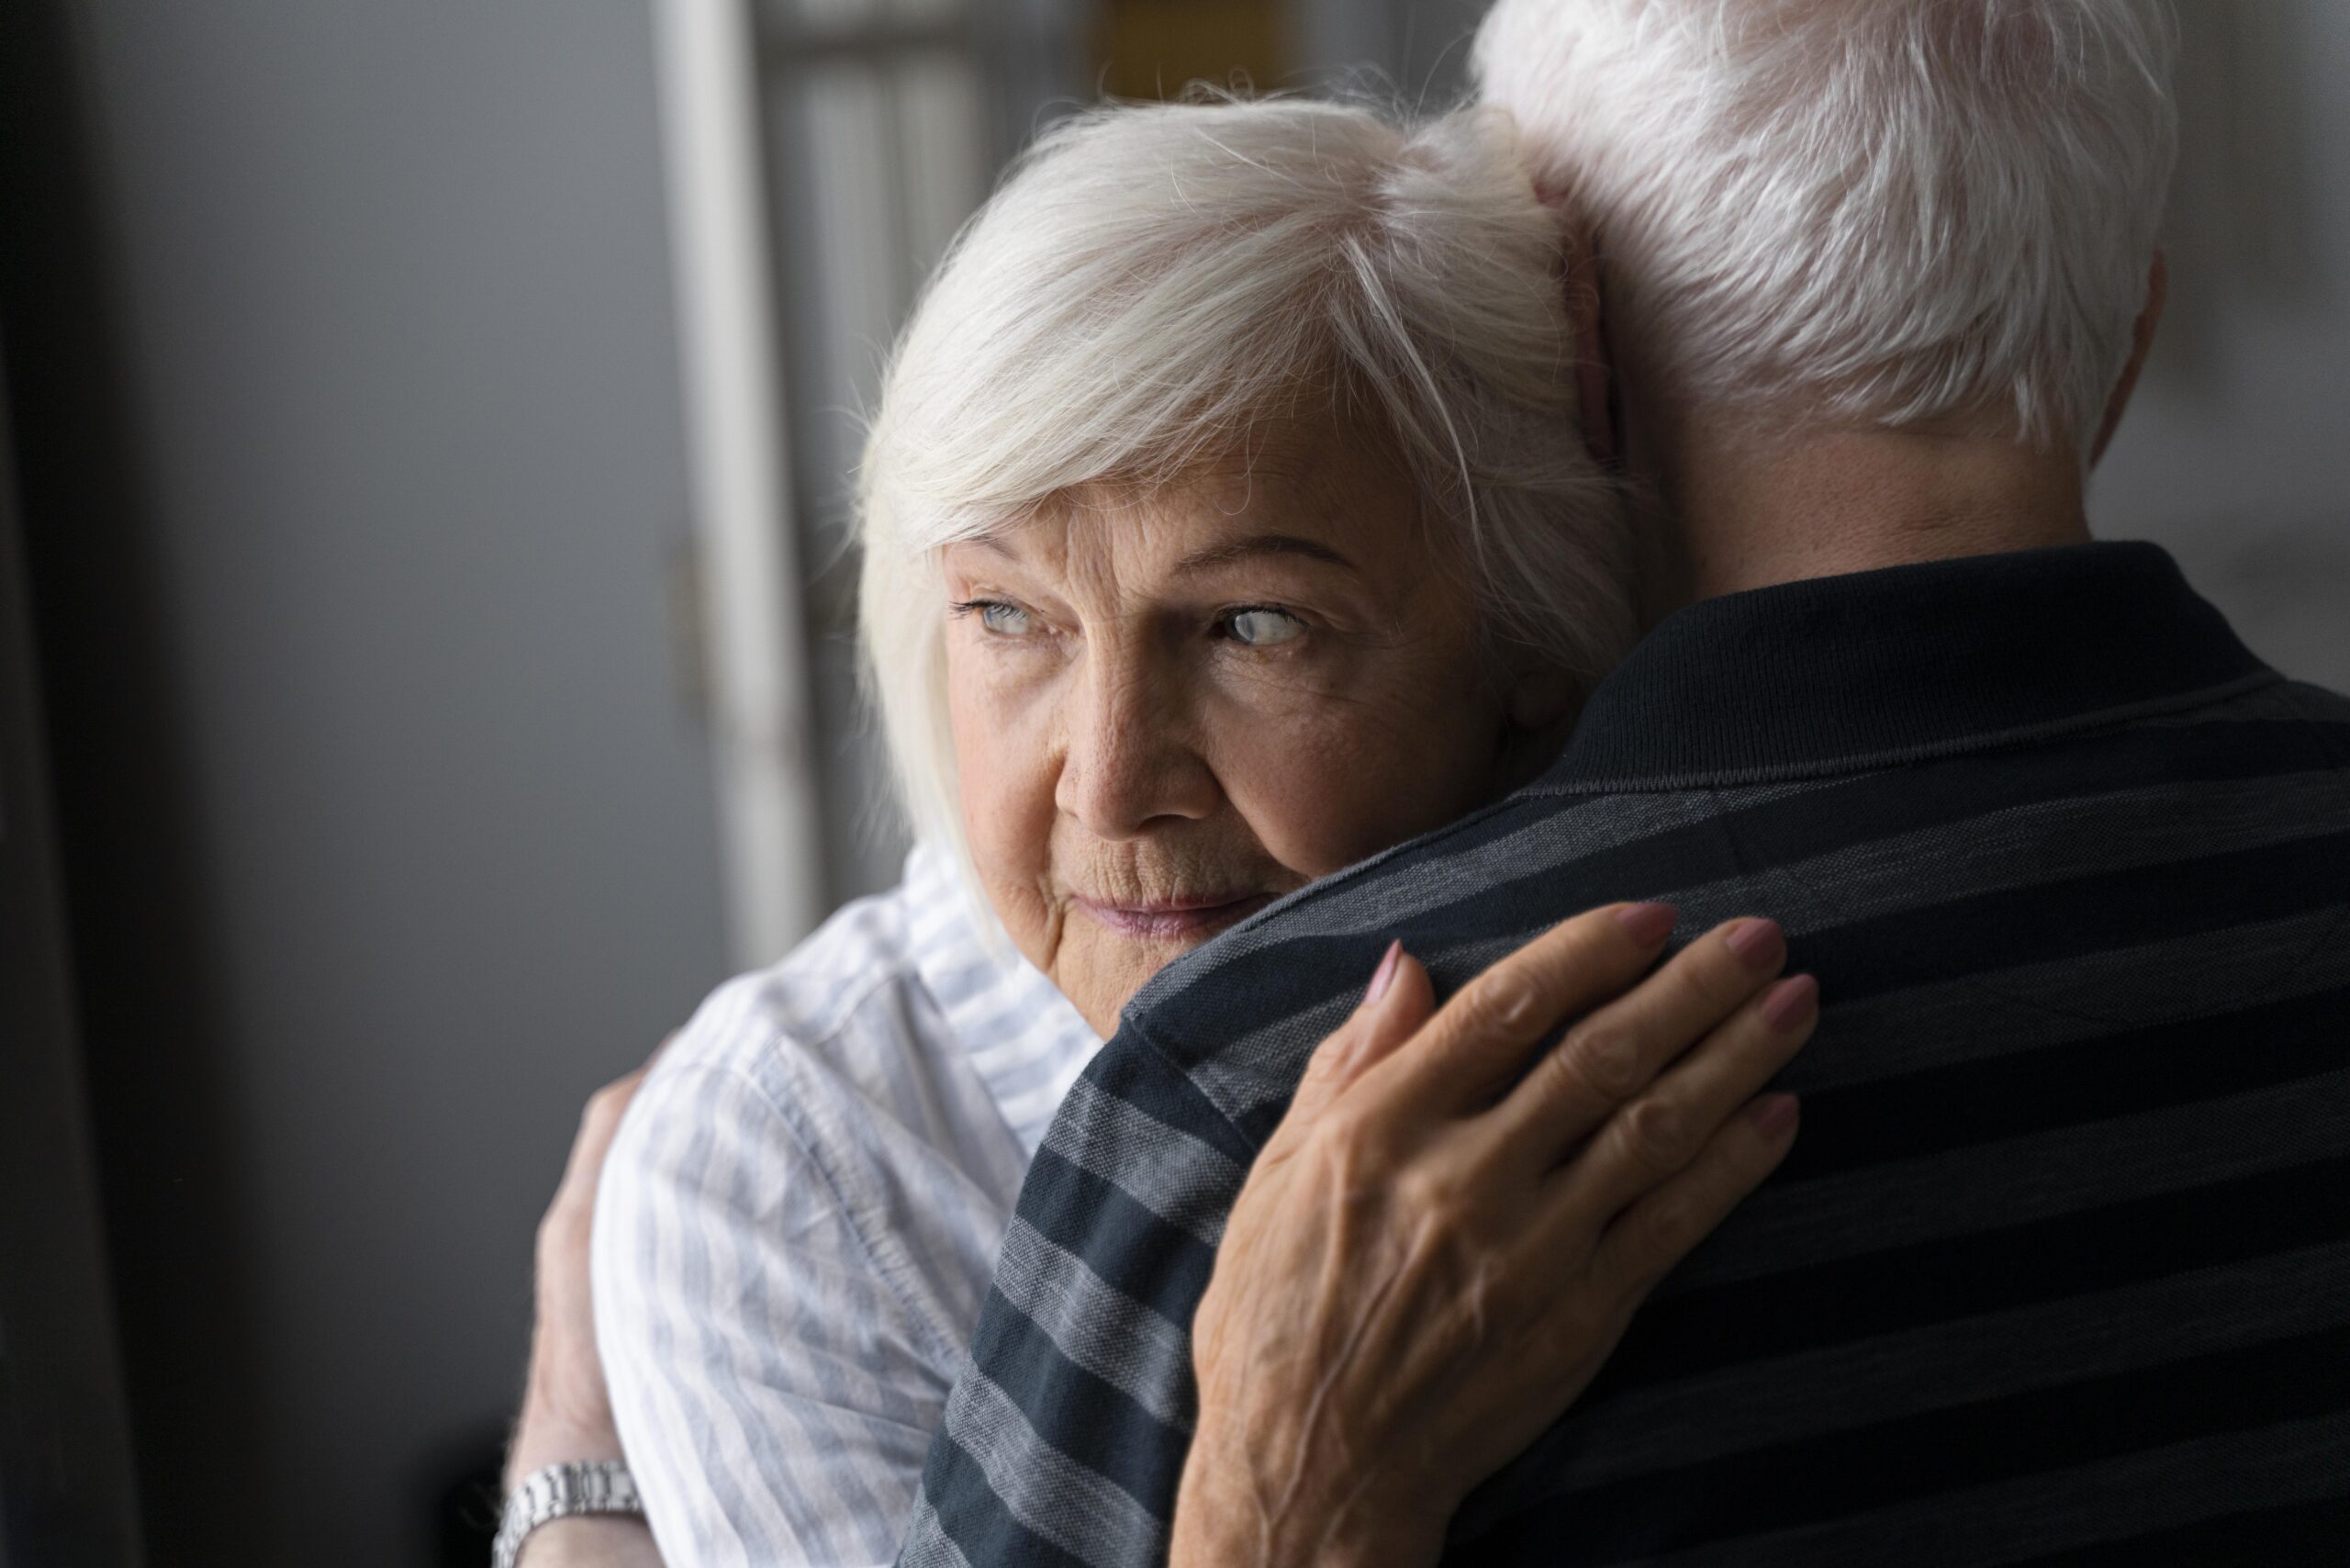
x,y
154,1049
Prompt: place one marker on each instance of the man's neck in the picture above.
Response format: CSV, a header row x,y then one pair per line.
x,y
1759,511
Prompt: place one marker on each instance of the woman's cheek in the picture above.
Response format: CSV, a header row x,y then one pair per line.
x,y
1316,789
1001,767
1328,775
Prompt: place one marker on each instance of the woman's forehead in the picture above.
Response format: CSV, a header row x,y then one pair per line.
x,y
1315,488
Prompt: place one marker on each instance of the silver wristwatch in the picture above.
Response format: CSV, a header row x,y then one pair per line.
x,y
603,1486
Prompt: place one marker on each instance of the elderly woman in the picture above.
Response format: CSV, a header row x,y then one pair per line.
x,y
1224,525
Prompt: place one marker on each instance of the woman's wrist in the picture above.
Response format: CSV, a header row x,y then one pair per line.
x,y
597,1540
567,1415
1229,1516
546,1434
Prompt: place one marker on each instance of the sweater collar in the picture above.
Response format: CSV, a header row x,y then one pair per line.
x,y
1878,668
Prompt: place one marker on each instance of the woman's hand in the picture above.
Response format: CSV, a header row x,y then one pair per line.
x,y
566,1410
1449,1231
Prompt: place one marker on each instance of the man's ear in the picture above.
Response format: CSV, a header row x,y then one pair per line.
x,y
1594,367
2142,345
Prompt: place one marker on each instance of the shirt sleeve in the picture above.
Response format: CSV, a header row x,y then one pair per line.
x,y
774,1396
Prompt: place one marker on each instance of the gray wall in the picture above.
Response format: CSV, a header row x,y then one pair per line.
x,y
395,319
2234,454
1418,48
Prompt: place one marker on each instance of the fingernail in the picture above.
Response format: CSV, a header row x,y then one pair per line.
x,y
1649,923
1384,976
1775,1115
1791,1001
1758,943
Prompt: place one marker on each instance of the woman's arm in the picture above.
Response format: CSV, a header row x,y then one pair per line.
x,y
591,1542
1453,1225
566,1413
772,1384
775,1404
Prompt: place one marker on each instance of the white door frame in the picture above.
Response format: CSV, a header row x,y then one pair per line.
x,y
754,642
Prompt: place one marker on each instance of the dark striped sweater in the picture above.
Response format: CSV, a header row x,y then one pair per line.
x,y
2059,1270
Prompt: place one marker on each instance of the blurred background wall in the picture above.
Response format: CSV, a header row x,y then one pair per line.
x,y
361,404
2234,454
349,420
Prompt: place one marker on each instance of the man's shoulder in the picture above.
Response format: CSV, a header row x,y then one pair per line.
x,y
1536,837
2268,736
2318,704
1236,1020
2279,699
1563,836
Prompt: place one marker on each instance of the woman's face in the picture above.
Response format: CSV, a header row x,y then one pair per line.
x,y
1171,708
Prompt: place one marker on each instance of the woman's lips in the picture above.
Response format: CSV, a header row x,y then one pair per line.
x,y
1173,920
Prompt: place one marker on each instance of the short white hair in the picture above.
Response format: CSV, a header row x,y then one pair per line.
x,y
1150,279
1874,211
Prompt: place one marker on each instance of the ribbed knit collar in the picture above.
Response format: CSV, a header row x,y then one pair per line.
x,y
1879,668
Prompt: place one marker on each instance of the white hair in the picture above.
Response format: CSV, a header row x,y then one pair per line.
x,y
1880,211
1150,279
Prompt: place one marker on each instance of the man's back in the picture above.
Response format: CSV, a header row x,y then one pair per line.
x,y
2060,1268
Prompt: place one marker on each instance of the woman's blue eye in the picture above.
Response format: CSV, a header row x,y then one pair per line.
x,y
1263,628
1005,619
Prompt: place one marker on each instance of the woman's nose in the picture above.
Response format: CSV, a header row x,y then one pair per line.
x,y
1131,761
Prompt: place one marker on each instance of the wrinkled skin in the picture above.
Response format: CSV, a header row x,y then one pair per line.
x,y
567,1415
1173,704
1451,1228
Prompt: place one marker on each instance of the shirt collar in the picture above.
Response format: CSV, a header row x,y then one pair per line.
x,y
1879,668
1027,1040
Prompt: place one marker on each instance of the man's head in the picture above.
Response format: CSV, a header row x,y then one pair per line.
x,y
1925,216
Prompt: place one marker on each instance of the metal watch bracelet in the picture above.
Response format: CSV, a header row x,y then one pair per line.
x,y
562,1491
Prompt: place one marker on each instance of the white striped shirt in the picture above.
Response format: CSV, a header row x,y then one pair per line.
x,y
797,1221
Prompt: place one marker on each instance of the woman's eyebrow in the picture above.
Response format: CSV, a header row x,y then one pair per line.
x,y
1262,545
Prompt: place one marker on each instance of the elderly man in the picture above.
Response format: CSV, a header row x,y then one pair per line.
x,y
2060,1271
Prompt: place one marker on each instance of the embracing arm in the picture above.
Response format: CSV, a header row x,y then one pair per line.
x,y
590,1542
566,1413
762,1429
1450,1230
775,1392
